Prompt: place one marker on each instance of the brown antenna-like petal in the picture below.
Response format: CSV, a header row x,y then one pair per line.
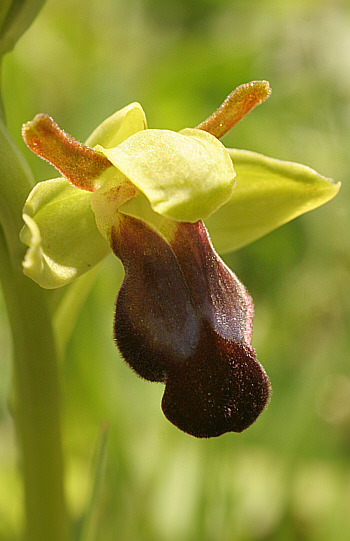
x,y
78,163
242,100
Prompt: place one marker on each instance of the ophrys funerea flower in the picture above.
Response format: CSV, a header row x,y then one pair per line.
x,y
182,316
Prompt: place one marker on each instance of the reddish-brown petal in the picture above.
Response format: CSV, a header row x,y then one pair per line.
x,y
235,107
79,164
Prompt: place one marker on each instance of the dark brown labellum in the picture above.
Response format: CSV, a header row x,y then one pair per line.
x,y
183,318
222,388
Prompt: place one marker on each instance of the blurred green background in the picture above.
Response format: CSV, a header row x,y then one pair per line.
x,y
288,476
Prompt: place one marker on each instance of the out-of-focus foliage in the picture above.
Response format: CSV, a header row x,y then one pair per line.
x,y
288,476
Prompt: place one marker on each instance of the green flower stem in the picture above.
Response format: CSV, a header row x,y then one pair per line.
x,y
36,384
36,404
16,181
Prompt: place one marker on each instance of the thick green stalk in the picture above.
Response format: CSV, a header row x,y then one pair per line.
x,y
36,398
36,404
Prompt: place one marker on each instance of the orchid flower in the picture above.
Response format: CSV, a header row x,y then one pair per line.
x,y
151,196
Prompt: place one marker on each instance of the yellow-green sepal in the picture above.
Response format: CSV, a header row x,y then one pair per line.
x,y
61,234
268,194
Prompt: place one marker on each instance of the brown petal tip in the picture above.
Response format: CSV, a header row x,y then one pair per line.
x,y
78,163
235,107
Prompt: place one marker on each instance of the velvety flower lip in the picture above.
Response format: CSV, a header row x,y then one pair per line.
x,y
184,319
